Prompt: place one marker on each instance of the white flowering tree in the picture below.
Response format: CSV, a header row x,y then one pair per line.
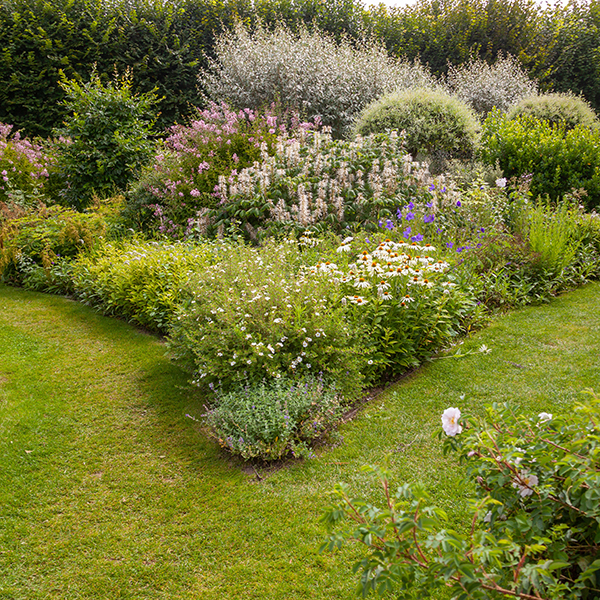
x,y
535,531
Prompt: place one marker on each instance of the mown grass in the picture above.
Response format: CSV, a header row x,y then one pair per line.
x,y
107,489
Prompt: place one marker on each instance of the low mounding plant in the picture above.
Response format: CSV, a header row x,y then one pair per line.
x,y
535,529
316,182
139,280
105,141
558,109
197,160
34,248
258,315
270,421
23,168
308,72
558,160
484,87
434,122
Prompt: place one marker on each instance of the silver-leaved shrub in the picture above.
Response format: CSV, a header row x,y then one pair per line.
x,y
535,528
484,87
309,72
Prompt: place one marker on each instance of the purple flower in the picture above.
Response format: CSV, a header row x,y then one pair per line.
x,y
417,238
429,204
443,190
399,214
410,206
380,223
458,203
406,232
460,249
389,225
449,244
428,218
482,230
410,216
431,187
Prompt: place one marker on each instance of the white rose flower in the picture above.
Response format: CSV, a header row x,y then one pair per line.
x,y
544,416
525,483
450,424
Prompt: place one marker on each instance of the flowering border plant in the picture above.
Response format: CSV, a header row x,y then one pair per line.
x,y
535,528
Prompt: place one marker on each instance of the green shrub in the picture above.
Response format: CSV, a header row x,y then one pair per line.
x,y
434,122
535,528
557,109
104,141
257,315
270,421
33,246
484,87
139,280
309,72
556,159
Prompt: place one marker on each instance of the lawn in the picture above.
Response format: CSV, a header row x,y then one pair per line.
x,y
108,490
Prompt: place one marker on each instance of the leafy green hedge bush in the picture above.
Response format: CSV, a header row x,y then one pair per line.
x,y
434,122
557,160
105,139
556,109
535,517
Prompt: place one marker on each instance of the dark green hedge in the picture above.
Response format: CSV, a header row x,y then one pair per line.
x,y
165,43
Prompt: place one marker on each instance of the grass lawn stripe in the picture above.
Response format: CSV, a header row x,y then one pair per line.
x,y
107,490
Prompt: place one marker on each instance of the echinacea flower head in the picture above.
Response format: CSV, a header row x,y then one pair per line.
x,y
450,421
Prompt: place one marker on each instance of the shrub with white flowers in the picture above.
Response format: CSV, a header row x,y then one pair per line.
x,y
535,528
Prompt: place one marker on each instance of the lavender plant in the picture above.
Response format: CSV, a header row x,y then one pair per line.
x,y
308,72
534,532
272,421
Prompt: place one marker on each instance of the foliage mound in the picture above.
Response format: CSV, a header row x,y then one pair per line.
x,y
484,87
434,122
105,139
558,109
557,160
309,72
272,421
535,517
139,280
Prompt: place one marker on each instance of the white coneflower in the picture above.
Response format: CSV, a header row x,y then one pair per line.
x,y
362,283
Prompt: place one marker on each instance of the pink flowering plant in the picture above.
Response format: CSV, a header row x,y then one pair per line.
x,y
24,167
198,160
535,527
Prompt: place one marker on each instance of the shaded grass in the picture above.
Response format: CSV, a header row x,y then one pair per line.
x,y
107,490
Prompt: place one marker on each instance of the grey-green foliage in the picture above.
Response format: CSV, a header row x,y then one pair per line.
x,y
557,108
308,71
435,122
483,86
